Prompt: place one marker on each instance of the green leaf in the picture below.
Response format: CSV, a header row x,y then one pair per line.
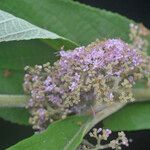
x,y
20,115
64,134
15,56
131,117
13,28
9,110
78,22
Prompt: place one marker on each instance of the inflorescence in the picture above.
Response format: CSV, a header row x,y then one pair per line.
x,y
102,72
102,136
138,34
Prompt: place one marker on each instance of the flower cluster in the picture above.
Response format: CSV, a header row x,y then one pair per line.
x,y
101,135
138,35
104,71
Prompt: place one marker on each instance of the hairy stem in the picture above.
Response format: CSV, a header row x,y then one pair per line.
x,y
100,147
103,113
141,94
21,100
13,100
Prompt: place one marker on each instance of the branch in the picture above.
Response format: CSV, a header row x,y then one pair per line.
x,y
141,94
107,110
21,100
13,100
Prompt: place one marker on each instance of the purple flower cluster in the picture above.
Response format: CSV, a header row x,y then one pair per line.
x,y
101,72
112,51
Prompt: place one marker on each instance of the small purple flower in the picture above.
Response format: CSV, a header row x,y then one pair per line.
x,y
49,88
99,130
55,99
42,114
35,78
110,96
108,132
114,44
31,102
76,77
73,86
48,81
126,143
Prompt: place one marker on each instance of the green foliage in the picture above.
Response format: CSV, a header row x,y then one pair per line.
x,y
13,28
64,134
131,117
77,22
20,115
15,56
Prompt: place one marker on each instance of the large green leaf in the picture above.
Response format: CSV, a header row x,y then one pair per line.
x,y
132,117
62,135
15,56
74,21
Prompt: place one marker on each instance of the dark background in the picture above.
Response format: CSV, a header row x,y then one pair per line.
x,y
138,10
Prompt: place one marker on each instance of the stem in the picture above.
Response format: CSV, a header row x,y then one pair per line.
x,y
13,100
141,94
99,147
100,115
21,100
87,143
